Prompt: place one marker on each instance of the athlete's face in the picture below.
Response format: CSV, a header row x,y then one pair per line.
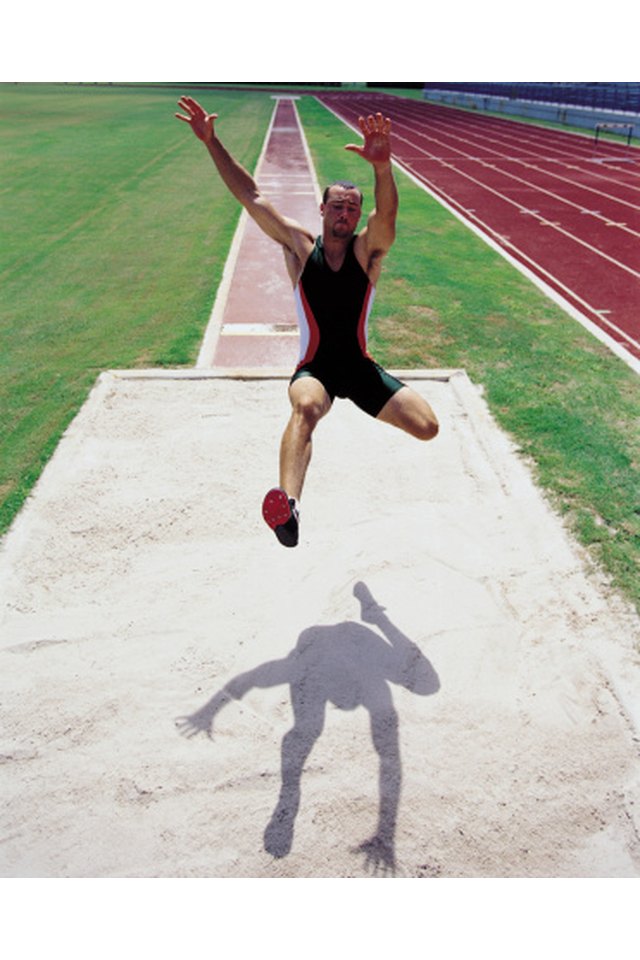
x,y
341,212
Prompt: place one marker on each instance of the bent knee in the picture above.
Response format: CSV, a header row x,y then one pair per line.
x,y
411,413
428,429
309,400
309,410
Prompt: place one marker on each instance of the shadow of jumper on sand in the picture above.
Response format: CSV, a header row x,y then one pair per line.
x,y
348,665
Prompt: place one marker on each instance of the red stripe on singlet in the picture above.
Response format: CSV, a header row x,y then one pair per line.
x,y
312,327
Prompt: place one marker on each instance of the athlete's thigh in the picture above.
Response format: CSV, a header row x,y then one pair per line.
x,y
410,412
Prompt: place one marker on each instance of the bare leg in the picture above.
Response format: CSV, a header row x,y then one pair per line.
x,y
309,402
410,412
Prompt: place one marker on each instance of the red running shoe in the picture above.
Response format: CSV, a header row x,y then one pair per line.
x,y
280,513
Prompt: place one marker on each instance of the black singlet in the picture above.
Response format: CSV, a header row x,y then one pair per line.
x,y
333,309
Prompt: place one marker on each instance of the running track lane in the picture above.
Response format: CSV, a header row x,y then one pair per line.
x,y
564,208
253,323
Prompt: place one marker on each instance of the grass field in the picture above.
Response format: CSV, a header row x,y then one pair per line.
x,y
117,231
113,244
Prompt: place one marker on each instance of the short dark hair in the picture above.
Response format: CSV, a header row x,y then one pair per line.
x,y
342,183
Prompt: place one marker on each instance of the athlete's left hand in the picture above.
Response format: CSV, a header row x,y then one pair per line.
x,y
377,144
196,723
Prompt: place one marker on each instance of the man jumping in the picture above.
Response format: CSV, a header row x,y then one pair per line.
x,y
334,278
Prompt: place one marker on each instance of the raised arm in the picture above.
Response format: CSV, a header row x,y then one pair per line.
x,y
378,235
296,240
406,665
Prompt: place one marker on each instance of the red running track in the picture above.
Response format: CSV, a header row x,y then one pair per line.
x,y
563,207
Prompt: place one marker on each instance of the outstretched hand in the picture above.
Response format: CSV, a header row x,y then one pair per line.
x,y
202,720
196,723
198,119
377,144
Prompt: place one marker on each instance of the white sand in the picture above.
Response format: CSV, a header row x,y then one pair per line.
x,y
140,580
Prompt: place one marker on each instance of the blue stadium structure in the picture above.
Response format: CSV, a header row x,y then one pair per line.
x,y
573,104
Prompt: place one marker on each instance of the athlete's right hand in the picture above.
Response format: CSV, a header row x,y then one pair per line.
x,y
198,119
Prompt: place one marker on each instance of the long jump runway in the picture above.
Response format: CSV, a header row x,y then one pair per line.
x,y
433,684
565,208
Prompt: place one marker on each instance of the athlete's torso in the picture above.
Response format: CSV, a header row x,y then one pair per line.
x,y
333,309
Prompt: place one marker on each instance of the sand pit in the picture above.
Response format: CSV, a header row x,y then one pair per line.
x,y
482,725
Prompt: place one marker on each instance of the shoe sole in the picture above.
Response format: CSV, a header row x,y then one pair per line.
x,y
277,513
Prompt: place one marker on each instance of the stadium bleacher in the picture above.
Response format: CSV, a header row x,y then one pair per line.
x,y
611,107
623,97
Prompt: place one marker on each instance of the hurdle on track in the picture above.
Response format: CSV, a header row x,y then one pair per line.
x,y
615,126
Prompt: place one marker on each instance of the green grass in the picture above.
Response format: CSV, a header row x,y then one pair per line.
x,y
116,230
114,236
446,299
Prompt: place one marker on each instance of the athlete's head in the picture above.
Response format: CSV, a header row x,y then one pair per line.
x,y
341,208
346,185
